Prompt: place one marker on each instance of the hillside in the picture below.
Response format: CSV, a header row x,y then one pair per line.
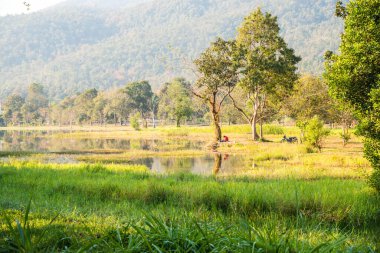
x,y
71,46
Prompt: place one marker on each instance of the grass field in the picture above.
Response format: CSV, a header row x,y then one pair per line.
x,y
281,198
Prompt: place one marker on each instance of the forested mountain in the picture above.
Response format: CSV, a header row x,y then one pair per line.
x,y
84,44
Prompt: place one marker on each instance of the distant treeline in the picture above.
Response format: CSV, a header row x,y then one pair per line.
x,y
173,104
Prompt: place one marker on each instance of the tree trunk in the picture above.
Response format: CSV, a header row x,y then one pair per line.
x,y
261,130
154,121
178,122
215,120
255,136
217,163
217,131
302,136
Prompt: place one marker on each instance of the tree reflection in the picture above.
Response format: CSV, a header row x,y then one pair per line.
x,y
217,163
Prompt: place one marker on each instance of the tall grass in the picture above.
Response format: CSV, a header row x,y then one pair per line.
x,y
154,233
334,206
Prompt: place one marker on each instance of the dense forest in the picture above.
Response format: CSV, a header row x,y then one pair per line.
x,y
75,46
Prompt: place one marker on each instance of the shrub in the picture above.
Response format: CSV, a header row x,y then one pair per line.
x,y
346,137
135,121
315,133
371,151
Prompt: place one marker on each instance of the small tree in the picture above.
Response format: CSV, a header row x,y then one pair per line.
x,y
175,101
135,121
315,133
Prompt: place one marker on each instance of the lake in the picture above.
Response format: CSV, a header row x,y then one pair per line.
x,y
61,147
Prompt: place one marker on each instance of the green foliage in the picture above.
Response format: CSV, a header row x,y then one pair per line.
x,y
346,137
372,153
217,79
310,98
315,133
12,109
176,101
139,95
135,121
354,75
35,108
266,66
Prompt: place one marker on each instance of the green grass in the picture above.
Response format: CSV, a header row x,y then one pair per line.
x,y
279,198
97,201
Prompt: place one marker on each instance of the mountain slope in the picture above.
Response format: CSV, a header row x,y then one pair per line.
x,y
72,47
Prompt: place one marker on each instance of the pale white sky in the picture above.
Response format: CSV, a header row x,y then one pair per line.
x,y
18,7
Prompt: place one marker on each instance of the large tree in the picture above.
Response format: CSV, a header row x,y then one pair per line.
x,y
217,79
267,66
140,98
353,75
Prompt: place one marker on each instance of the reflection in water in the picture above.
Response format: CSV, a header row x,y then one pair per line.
x,y
48,142
43,141
217,163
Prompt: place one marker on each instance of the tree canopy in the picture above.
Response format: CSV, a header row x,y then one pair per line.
x,y
267,66
353,75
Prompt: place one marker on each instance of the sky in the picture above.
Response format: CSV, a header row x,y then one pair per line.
x,y
18,7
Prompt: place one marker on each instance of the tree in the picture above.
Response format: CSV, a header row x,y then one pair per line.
x,y
85,104
99,110
155,107
12,109
175,101
56,114
117,106
36,104
310,97
217,79
267,65
139,98
354,75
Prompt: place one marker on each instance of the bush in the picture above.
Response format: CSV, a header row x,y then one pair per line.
x,y
371,151
315,133
135,121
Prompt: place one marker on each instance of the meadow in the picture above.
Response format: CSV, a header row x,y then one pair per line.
x,y
264,197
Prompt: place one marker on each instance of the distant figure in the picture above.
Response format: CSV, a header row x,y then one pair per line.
x,y
225,138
